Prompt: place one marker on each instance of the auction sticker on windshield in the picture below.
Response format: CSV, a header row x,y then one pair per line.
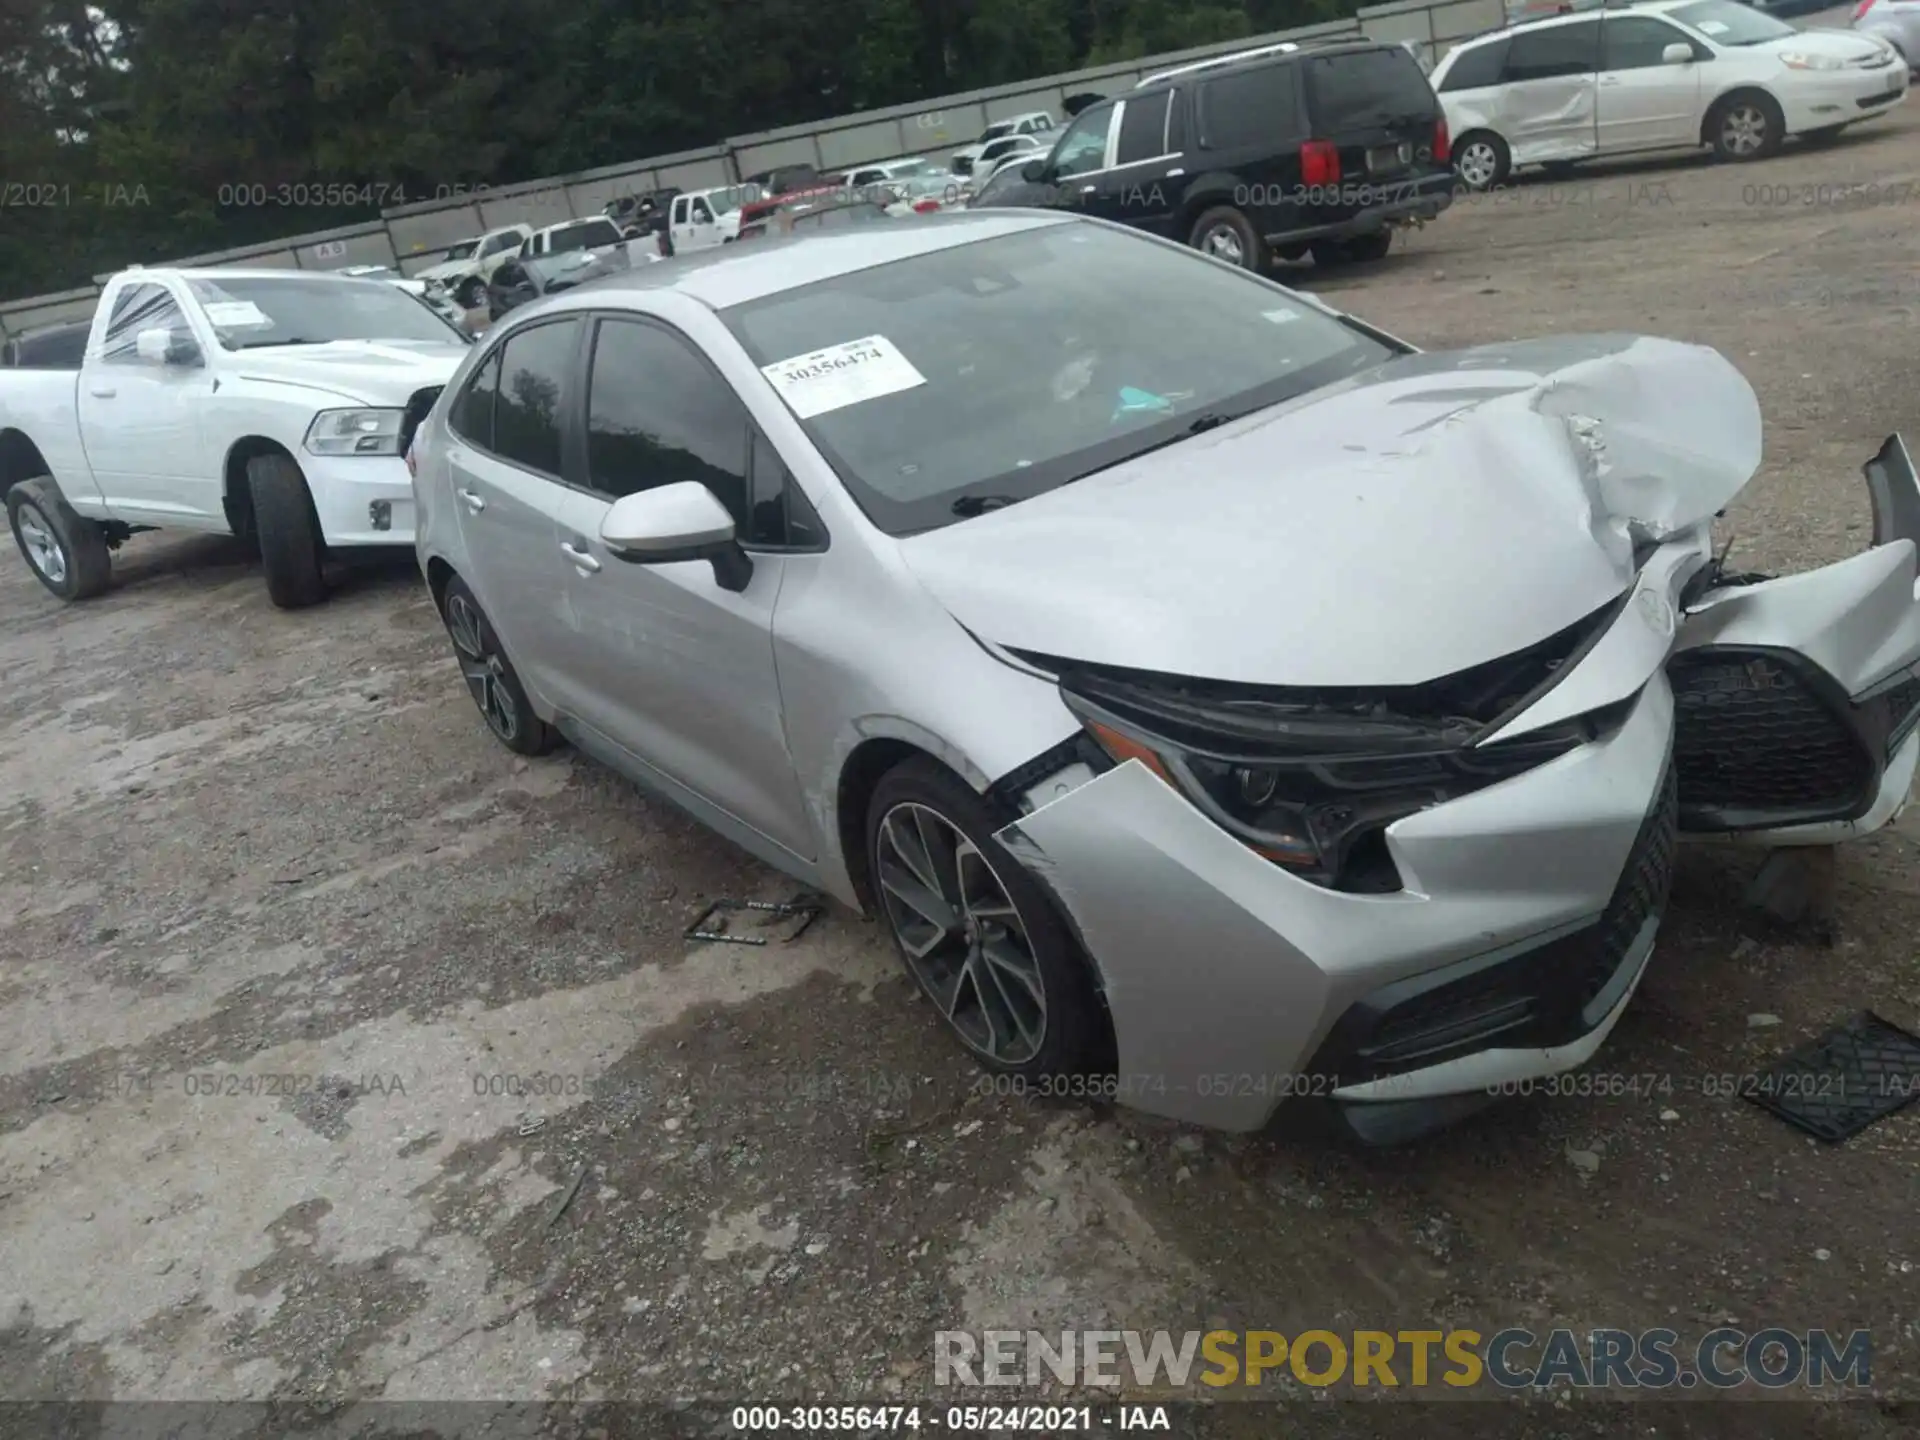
x,y
842,375
235,313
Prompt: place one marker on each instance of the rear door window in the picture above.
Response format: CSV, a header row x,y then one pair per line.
x,y
536,370
1554,52
1143,129
1367,88
1255,108
1478,67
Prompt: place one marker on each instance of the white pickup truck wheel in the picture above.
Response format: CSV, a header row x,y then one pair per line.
x,y
66,552
289,532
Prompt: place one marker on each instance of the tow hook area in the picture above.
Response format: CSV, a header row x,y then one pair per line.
x,y
380,513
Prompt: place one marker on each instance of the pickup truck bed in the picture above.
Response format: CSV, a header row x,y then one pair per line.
x,y
269,404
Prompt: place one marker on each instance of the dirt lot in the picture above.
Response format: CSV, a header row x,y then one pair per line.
x,y
276,916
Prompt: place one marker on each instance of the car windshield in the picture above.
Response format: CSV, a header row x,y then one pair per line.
x,y
1727,23
583,236
994,132
915,170
254,312
1001,369
463,251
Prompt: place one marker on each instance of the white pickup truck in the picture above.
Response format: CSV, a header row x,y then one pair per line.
x,y
272,405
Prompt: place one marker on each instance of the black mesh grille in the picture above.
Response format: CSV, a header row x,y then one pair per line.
x,y
1642,891
1757,744
1902,701
1547,996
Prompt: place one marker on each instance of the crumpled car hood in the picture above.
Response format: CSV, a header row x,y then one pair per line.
x,y
1436,512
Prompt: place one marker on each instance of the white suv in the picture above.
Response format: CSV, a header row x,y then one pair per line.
x,y
1674,73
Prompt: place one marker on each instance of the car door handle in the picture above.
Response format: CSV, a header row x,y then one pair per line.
x,y
105,392
1609,79
1176,174
474,502
581,558
1088,189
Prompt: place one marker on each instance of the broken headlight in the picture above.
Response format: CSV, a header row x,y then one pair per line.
x,y
1312,787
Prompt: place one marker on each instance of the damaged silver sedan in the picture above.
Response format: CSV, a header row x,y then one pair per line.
x,y
1212,694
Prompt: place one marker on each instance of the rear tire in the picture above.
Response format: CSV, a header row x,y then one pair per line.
x,y
66,551
490,677
1031,1010
288,532
1481,161
1746,125
1226,234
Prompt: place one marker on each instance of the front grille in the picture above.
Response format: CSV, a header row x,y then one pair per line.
x,y
1759,744
1547,996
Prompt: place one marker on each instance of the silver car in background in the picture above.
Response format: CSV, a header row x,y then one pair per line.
x,y
1213,694
1895,21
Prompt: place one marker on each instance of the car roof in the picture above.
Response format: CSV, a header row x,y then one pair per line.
x,y
1569,17
1286,51
723,276
234,272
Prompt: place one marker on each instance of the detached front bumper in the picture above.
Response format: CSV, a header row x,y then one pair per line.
x,y
1528,909
361,499
1226,977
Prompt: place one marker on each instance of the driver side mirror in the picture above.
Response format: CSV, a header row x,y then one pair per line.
x,y
1678,53
682,521
1034,172
163,346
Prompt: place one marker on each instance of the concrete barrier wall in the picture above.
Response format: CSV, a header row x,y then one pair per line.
x,y
414,236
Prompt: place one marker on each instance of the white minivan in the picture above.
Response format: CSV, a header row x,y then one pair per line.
x,y
1658,76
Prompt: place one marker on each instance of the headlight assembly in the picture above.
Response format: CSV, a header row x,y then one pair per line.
x,y
356,432
1800,60
1311,787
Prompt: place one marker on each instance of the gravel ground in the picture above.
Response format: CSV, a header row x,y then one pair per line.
x,y
315,1004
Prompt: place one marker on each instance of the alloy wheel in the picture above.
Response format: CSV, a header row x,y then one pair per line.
x,y
1478,164
42,545
962,934
483,668
1223,243
1743,130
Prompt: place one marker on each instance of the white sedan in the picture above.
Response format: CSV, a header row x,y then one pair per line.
x,y
1655,77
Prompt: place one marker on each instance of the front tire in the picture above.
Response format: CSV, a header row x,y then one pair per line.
x,y
976,931
1746,125
490,676
472,293
1226,234
66,551
288,532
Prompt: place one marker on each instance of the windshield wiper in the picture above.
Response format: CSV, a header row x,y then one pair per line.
x,y
968,506
271,344
1199,425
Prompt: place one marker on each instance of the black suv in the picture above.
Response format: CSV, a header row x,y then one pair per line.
x,y
1283,151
